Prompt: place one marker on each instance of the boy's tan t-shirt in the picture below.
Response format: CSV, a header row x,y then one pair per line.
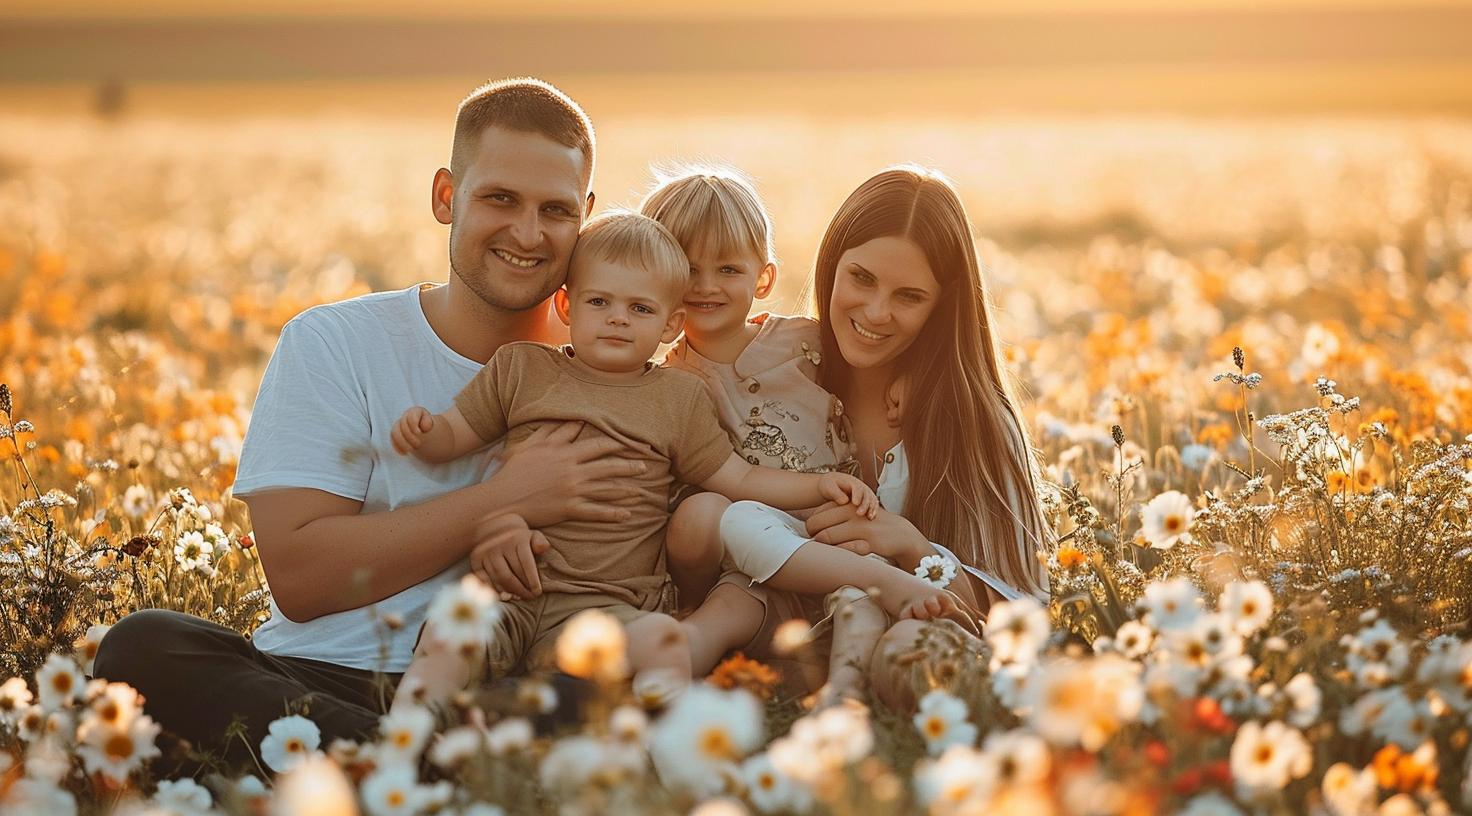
x,y
665,419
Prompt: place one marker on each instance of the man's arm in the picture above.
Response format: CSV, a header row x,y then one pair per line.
x,y
738,479
322,554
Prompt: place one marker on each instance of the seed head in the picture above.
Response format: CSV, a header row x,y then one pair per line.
x,y
1118,434
1238,358
4,399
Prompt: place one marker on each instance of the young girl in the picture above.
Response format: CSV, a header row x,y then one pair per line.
x,y
762,373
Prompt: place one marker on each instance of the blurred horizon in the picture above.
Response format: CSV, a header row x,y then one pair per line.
x,y
946,57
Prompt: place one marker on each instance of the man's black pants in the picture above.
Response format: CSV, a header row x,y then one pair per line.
x,y
197,677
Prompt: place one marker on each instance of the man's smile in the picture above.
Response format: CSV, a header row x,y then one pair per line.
x,y
518,261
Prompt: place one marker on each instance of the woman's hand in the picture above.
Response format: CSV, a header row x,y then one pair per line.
x,y
887,534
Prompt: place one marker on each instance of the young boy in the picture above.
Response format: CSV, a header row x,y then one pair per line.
x,y
623,297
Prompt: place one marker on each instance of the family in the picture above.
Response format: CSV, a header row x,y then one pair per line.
x,y
865,471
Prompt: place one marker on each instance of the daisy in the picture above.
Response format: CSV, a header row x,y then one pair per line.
x,y
289,741
572,763
822,744
87,646
117,752
1077,702
594,646
937,570
509,736
960,781
1016,631
59,681
455,746
137,501
392,790
1248,604
1267,757
116,705
771,790
314,785
942,721
404,731
1166,519
1305,698
15,697
629,725
192,551
464,614
702,736
1348,792
183,797
1021,758
1173,604
1133,639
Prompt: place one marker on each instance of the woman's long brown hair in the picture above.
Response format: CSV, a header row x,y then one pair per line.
x,y
973,482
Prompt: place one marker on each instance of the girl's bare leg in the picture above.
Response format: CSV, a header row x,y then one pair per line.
x,y
858,624
693,542
729,617
820,568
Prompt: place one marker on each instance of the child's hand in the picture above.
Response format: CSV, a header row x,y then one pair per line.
x,y
845,489
409,430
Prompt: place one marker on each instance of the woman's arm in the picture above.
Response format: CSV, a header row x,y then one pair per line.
x,y
892,536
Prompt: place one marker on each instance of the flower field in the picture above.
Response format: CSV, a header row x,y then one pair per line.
x,y
1247,350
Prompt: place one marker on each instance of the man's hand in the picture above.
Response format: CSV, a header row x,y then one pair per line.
x,y
843,489
552,476
408,432
505,558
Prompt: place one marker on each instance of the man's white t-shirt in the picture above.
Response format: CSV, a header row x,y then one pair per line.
x,y
341,375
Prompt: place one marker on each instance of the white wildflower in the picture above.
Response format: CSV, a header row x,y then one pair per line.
x,y
1017,631
1349,792
509,736
183,797
392,790
936,570
59,682
137,501
117,752
289,741
1172,605
404,731
1267,757
192,551
699,740
464,614
771,790
1305,698
942,721
1248,604
455,746
1166,519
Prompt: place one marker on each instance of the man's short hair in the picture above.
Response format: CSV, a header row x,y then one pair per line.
x,y
629,239
522,104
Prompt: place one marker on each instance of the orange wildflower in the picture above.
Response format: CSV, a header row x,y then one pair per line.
x,y
1070,557
740,671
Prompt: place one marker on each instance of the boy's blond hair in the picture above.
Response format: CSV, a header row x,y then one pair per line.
x,y
705,203
627,238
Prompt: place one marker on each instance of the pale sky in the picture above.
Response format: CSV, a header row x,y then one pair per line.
x,y
653,8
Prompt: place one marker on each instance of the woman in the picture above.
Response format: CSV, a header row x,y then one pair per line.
x,y
908,348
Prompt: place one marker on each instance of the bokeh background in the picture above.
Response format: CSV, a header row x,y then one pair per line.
x,y
1153,184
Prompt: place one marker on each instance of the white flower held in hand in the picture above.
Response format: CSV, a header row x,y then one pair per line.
x,y
938,570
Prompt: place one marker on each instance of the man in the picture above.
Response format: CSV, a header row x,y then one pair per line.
x,y
355,539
